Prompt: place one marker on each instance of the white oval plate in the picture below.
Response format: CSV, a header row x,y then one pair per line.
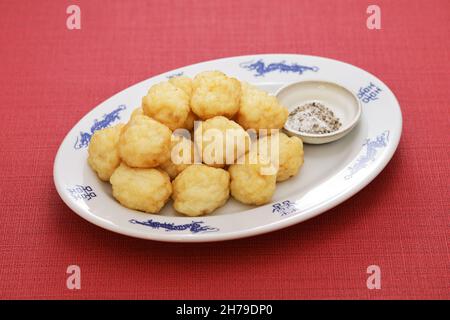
x,y
331,173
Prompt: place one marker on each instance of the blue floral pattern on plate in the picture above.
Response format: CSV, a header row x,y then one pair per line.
x,y
261,68
369,152
193,227
85,137
173,75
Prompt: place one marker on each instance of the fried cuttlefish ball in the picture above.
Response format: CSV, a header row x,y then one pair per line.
x,y
200,189
146,190
103,151
221,141
167,104
259,110
290,153
144,143
252,182
137,112
215,94
181,156
185,84
182,82
189,123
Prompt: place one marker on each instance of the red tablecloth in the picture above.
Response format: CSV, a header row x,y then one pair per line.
x,y
50,77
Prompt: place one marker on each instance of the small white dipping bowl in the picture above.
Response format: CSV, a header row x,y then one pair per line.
x,y
344,104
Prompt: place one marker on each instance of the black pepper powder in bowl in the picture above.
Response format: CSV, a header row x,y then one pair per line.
x,y
320,111
313,118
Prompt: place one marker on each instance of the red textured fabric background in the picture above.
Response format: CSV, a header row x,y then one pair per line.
x,y
50,77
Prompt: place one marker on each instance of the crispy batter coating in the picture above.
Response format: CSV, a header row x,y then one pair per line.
x,y
200,189
167,104
206,76
146,190
290,151
215,94
141,158
221,135
103,151
259,110
178,161
249,183
184,83
137,112
189,123
144,143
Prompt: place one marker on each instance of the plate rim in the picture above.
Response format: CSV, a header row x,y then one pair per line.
x,y
229,235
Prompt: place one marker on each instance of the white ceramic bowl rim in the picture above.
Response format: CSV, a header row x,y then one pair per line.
x,y
343,128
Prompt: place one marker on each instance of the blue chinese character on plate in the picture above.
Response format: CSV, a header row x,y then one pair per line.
x,y
80,192
369,93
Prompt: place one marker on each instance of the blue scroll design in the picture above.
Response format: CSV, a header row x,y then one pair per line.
x,y
369,153
261,68
173,75
85,137
193,227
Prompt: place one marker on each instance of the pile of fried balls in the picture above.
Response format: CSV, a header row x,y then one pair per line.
x,y
136,157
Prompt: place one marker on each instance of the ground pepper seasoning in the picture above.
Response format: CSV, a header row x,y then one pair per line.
x,y
313,118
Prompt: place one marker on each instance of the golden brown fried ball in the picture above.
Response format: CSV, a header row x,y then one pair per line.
x,y
184,83
200,189
146,190
215,94
137,112
250,184
189,123
206,76
290,154
221,134
144,143
259,110
103,151
178,161
167,104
